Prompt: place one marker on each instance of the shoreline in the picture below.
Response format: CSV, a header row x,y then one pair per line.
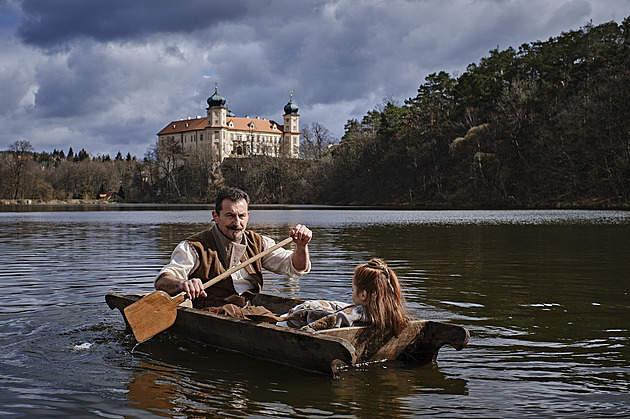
x,y
592,206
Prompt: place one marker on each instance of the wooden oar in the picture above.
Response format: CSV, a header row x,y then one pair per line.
x,y
157,311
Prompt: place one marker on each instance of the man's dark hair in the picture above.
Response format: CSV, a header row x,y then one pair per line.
x,y
233,194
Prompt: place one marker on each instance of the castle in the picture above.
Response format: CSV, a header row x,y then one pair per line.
x,y
224,135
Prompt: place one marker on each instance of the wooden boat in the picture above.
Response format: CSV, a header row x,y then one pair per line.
x,y
327,351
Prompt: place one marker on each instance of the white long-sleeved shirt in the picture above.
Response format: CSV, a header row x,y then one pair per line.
x,y
184,260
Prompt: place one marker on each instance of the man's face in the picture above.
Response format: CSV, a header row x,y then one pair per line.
x,y
232,220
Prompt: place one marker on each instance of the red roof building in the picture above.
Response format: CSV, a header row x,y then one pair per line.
x,y
222,134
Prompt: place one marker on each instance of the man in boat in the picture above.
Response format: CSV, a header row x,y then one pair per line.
x,y
209,253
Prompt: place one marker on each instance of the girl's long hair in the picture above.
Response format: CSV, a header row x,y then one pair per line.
x,y
385,303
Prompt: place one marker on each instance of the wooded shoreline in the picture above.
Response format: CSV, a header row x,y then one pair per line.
x,y
31,203
546,125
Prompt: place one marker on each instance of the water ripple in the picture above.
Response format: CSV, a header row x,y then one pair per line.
x,y
543,294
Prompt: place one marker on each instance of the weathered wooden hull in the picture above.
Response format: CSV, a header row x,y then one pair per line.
x,y
324,351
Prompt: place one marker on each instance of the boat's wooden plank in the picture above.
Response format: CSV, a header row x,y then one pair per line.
x,y
325,350
264,340
420,342
302,349
431,338
395,346
120,301
371,347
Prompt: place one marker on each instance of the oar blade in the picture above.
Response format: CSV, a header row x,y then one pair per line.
x,y
152,314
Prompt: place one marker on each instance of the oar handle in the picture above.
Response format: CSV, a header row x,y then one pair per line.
x,y
242,264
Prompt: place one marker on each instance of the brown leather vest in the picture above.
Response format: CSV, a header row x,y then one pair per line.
x,y
210,266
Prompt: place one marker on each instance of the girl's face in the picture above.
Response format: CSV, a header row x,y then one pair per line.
x,y
359,297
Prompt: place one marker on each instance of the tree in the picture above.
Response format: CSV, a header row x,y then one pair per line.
x,y
316,141
197,176
82,155
21,152
168,156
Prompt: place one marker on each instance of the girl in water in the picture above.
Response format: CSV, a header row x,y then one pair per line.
x,y
377,301
376,288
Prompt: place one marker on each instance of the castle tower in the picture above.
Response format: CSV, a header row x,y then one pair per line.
x,y
217,114
291,137
217,111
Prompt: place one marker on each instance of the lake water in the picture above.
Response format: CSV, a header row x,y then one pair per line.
x,y
544,294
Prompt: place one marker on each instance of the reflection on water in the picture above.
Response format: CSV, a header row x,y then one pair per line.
x,y
543,293
212,381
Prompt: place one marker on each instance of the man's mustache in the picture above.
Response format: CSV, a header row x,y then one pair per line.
x,y
235,228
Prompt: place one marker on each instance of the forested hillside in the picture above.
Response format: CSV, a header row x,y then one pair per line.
x,y
543,125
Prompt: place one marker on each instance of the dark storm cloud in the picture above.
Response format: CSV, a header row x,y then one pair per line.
x,y
108,75
52,24
73,87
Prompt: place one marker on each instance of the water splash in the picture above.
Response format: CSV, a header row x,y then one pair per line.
x,y
82,347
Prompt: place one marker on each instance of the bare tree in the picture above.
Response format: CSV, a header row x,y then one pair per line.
x,y
316,140
21,152
168,154
199,175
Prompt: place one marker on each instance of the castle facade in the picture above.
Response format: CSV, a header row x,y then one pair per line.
x,y
223,135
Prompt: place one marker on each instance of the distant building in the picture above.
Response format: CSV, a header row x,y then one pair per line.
x,y
224,135
109,196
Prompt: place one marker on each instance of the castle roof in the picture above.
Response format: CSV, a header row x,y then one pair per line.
x,y
232,124
184,125
255,124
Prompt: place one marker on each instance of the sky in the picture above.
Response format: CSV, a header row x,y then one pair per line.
x,y
106,76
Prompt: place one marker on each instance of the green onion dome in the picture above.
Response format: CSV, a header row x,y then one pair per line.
x,y
290,108
216,100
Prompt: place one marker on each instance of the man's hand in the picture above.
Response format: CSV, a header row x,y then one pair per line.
x,y
301,235
301,257
194,288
